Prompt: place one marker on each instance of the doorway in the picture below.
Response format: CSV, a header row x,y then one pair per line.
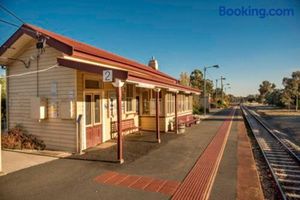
x,y
93,119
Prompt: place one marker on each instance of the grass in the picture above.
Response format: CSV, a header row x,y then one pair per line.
x,y
279,112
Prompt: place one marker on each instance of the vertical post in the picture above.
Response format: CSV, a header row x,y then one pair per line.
x,y
0,129
297,99
79,136
216,89
204,93
176,115
157,115
119,114
297,96
118,84
222,88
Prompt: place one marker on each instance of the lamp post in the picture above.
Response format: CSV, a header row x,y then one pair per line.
x,y
222,79
297,94
297,99
204,90
217,87
227,84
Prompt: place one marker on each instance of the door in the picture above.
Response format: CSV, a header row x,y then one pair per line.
x,y
93,122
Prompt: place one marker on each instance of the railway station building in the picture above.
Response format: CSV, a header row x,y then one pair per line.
x,y
74,96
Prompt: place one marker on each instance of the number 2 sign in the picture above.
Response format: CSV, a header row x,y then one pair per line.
x,y
107,75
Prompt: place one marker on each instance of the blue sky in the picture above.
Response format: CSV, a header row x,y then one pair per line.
x,y
182,35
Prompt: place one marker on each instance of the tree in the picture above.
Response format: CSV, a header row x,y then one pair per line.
x,y
184,79
264,88
209,86
3,92
217,93
251,98
286,98
197,81
274,97
292,87
3,100
296,78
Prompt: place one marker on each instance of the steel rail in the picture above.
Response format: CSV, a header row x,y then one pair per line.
x,y
276,137
278,185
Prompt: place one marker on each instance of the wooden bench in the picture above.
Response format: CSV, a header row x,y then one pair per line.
x,y
127,125
188,120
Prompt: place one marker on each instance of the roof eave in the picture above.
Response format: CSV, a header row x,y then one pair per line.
x,y
60,46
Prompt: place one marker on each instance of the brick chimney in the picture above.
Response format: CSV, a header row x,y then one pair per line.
x,y
153,63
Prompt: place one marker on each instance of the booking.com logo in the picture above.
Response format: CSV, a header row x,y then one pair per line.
x,y
258,12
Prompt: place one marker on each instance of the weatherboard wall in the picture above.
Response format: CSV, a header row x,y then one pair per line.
x,y
55,85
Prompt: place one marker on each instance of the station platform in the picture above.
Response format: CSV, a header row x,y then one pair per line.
x,y
211,160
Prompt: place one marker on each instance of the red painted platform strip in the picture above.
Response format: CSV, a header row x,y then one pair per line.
x,y
155,185
116,179
167,187
198,183
130,180
104,177
142,183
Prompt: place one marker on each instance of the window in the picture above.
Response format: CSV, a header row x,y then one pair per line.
x,y
149,103
180,103
191,102
97,108
146,104
153,103
88,109
170,98
93,84
92,109
186,102
129,98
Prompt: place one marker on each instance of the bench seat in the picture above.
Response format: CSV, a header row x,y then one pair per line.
x,y
127,125
188,120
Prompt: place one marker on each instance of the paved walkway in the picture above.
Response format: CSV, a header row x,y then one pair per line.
x,y
248,185
237,177
226,179
170,161
198,183
14,161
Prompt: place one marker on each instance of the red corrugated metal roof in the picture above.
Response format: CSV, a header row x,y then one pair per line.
x,y
90,50
81,50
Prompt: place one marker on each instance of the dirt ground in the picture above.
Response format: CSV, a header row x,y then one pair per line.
x,y
286,122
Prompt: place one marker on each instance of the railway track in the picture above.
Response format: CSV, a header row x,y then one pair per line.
x,y
282,161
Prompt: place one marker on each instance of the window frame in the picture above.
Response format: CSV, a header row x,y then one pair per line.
x,y
92,109
129,98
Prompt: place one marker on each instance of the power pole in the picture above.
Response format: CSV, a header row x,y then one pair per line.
x,y
216,88
204,93
297,96
204,89
222,89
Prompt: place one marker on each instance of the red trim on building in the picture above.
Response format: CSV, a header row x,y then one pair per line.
x,y
87,52
123,75
161,83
